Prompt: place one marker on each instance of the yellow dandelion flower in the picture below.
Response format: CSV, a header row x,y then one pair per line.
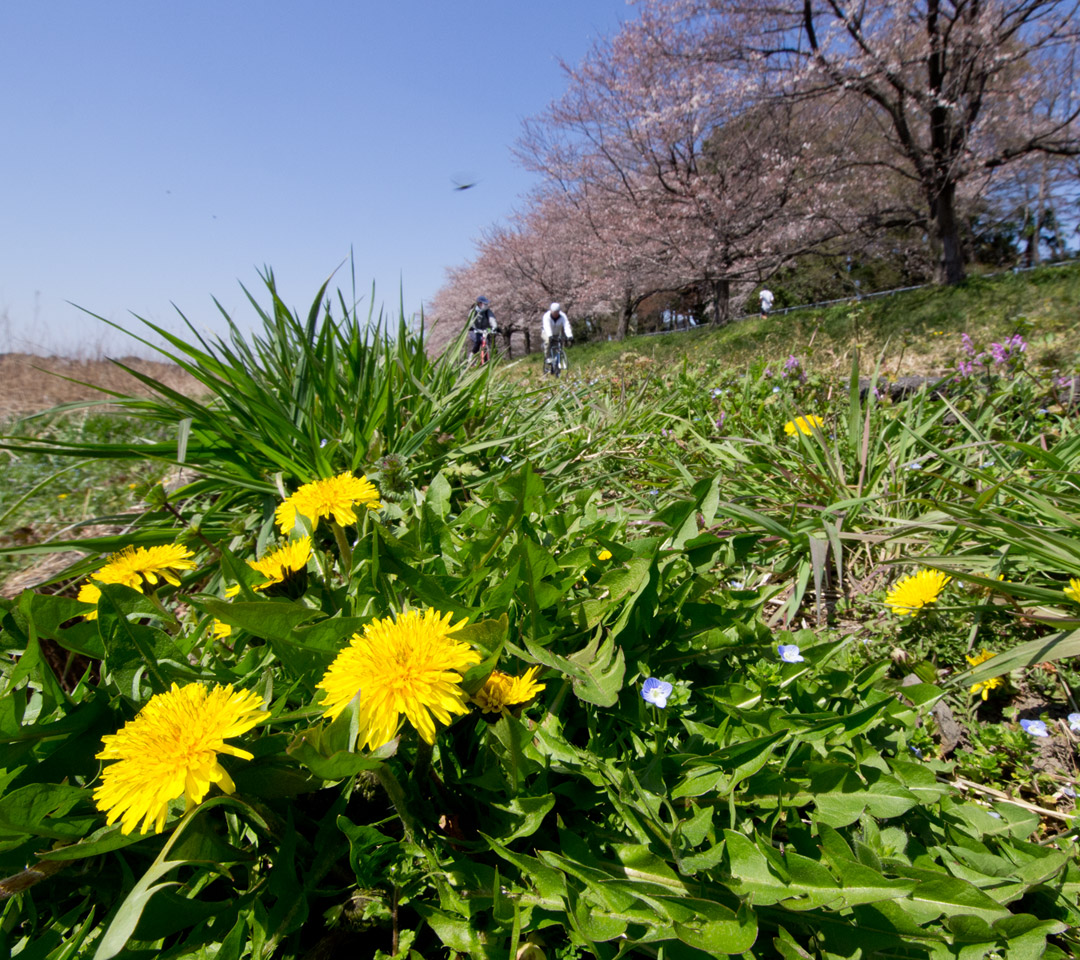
x,y
222,630
170,750
604,555
120,568
90,593
163,561
914,592
132,564
501,691
985,686
1072,591
408,669
276,566
804,425
335,497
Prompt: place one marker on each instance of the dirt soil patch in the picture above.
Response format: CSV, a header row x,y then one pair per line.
x,y
29,384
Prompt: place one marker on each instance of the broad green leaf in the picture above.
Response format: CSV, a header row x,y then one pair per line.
x,y
886,797
712,927
548,881
862,884
953,897
839,795
337,766
735,763
44,810
642,866
526,814
596,670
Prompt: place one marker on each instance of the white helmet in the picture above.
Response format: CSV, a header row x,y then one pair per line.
x,y
556,307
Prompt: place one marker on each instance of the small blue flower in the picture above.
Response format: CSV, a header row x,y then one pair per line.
x,y
737,585
654,492
775,389
506,459
789,653
655,692
1073,720
1035,728
1069,792
717,392
323,442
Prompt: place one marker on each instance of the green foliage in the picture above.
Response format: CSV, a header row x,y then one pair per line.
x,y
604,533
913,331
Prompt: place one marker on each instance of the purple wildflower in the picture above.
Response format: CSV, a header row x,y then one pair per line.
x,y
1037,728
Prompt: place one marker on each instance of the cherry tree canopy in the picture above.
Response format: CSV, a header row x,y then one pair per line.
x,y
955,88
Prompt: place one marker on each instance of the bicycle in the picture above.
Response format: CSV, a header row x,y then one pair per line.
x,y
555,361
485,347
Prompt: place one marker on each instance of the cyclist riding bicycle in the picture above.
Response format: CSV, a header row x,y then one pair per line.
x,y
480,319
554,322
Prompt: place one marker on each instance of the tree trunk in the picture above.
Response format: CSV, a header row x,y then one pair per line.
x,y
943,212
721,291
624,317
1038,220
528,342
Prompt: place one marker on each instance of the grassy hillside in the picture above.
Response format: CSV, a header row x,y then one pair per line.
x,y
917,332
691,663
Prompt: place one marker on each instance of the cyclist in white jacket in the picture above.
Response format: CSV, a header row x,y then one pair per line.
x,y
555,321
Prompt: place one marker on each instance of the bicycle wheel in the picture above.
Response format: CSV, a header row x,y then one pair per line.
x,y
557,363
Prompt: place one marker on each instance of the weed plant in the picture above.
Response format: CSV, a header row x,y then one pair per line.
x,y
658,694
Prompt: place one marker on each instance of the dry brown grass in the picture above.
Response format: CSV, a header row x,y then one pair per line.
x,y
29,383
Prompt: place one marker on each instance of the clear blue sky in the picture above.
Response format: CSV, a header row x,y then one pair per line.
x,y
161,153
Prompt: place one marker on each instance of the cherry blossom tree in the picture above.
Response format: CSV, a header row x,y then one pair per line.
x,y
535,258
674,159
955,88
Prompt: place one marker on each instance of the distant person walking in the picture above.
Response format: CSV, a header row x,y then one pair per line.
x,y
480,319
766,298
